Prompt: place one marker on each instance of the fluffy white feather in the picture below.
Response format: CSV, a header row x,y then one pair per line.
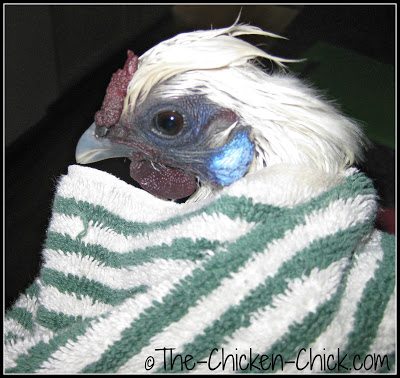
x,y
199,50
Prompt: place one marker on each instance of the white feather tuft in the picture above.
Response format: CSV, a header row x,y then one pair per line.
x,y
199,50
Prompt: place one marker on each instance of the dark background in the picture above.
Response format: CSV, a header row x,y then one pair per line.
x,y
59,60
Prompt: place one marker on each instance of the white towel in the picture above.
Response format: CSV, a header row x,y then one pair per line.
x,y
284,264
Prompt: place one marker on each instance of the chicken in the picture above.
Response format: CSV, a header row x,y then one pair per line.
x,y
268,267
197,112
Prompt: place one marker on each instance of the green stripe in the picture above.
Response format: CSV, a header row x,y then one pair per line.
x,y
390,366
301,335
22,316
96,213
180,249
245,208
31,361
56,321
33,290
81,287
11,337
202,282
372,305
233,207
302,263
183,248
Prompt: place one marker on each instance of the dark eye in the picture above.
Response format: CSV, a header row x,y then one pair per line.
x,y
168,123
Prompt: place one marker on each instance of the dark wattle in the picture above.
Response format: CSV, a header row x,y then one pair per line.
x,y
163,182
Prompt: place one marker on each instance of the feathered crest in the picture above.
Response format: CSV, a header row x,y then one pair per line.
x,y
199,50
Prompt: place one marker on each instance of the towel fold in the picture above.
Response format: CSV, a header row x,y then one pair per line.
x,y
284,263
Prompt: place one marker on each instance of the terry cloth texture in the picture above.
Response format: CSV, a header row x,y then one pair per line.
x,y
279,261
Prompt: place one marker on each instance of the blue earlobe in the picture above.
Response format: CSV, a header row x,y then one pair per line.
x,y
231,162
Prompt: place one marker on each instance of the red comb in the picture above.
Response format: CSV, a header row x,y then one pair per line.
x,y
113,102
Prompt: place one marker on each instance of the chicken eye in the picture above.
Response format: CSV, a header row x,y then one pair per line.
x,y
168,123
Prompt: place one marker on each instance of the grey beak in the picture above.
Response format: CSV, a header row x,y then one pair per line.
x,y
91,148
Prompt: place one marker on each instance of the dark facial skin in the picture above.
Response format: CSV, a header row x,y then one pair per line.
x,y
170,142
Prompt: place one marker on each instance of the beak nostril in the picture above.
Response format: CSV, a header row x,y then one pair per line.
x,y
92,147
101,131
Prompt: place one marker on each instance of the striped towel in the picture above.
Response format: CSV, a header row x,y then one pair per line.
x,y
281,266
